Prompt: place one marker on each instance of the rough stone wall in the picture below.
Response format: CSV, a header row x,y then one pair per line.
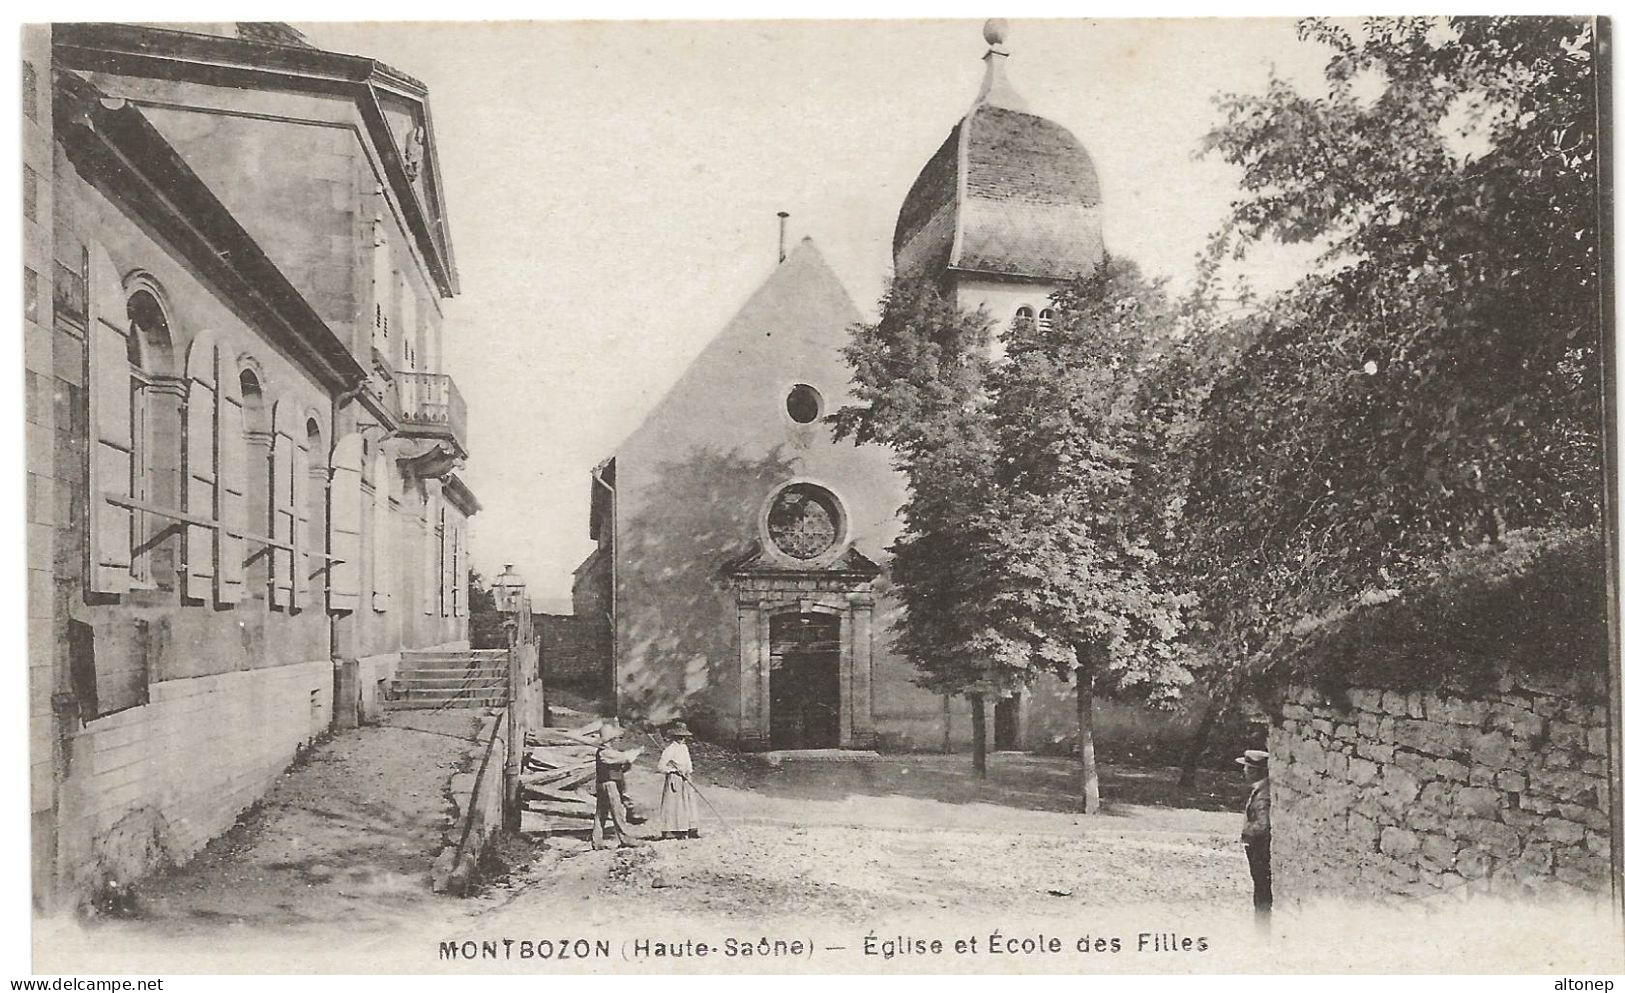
x,y
575,650
1417,794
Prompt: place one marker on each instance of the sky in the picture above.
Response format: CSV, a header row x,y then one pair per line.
x,y
613,190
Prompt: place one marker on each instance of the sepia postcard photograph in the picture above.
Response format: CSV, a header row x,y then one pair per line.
x,y
941,495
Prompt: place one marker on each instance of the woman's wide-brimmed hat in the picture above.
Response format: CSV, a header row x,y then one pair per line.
x,y
679,730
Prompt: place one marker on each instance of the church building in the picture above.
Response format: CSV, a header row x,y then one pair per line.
x,y
742,552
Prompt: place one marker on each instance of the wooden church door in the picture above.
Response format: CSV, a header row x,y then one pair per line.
x,y
805,681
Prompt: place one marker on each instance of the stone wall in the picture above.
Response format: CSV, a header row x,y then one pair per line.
x,y
476,796
151,785
1417,794
575,651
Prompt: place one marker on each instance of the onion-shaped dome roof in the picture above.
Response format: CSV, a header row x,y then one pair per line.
x,y
1008,193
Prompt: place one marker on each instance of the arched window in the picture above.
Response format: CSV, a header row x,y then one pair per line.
x,y
1046,318
155,410
1024,313
255,445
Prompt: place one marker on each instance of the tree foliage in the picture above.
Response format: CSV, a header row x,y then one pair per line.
x,y
485,628
1531,607
1435,381
1040,496
919,377
1086,495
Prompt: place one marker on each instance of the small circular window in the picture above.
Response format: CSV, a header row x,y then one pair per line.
x,y
804,521
804,404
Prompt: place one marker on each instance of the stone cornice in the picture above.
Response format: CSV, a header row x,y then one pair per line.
x,y
113,144
158,53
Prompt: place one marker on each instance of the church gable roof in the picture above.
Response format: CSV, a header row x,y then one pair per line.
x,y
790,330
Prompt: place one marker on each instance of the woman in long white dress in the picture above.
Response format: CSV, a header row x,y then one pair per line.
x,y
677,798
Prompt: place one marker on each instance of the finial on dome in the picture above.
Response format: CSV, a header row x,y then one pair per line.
x,y
995,88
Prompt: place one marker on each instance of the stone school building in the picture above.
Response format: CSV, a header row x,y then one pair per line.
x,y
243,453
741,566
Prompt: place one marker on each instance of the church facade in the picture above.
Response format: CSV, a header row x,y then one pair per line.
x,y
742,559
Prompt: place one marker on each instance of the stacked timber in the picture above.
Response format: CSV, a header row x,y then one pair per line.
x,y
557,781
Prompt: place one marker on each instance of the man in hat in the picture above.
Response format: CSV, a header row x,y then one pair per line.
x,y
677,798
1255,829
609,773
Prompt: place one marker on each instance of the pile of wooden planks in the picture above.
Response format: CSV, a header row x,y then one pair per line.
x,y
556,783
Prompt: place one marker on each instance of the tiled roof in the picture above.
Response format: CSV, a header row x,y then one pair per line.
x,y
1008,192
272,33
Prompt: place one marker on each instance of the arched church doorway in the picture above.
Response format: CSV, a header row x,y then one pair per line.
x,y
805,681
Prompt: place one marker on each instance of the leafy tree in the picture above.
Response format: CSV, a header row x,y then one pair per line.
x,y
1040,494
484,620
1085,499
918,379
1436,379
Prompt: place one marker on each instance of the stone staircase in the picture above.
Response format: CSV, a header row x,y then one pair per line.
x,y
473,678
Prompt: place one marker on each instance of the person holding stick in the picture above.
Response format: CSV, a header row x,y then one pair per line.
x,y
677,798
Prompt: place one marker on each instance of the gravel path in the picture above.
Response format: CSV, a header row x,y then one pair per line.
x,y
347,834
857,857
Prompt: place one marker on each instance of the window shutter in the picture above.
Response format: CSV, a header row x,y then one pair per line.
x,y
409,325
302,562
201,462
383,573
344,513
430,551
459,570
111,449
382,283
447,552
282,459
231,491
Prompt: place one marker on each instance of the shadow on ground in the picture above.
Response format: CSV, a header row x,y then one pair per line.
x,y
1019,780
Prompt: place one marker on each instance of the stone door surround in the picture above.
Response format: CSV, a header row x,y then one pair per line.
x,y
765,589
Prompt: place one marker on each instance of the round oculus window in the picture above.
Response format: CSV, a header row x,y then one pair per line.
x,y
804,404
804,521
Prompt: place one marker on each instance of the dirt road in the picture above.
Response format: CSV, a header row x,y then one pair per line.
x,y
865,865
